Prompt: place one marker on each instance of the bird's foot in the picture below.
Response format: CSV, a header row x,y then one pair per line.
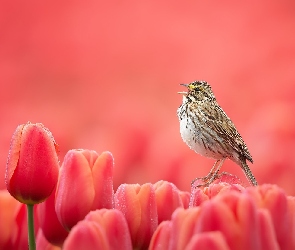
x,y
204,181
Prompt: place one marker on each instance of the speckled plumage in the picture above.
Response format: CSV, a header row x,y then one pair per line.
x,y
207,130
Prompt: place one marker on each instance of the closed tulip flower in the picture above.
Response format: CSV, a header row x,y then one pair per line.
x,y
138,204
32,165
167,193
32,168
101,229
85,184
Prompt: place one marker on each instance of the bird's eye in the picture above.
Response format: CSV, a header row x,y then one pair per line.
x,y
193,87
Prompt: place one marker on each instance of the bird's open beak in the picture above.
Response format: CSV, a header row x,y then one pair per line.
x,y
184,84
183,92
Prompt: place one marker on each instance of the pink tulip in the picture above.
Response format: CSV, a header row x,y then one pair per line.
x,y
199,195
101,229
85,184
138,204
32,165
161,237
208,240
281,211
255,218
86,235
168,198
185,197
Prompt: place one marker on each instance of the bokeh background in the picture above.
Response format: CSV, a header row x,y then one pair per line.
x,y
104,75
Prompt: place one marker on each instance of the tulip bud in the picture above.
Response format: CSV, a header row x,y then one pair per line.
x,y
101,229
168,198
32,165
138,204
85,184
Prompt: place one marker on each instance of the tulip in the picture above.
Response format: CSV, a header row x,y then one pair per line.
x,y
199,195
260,217
101,229
42,243
138,204
281,211
32,168
168,198
85,184
8,226
185,197
32,165
208,240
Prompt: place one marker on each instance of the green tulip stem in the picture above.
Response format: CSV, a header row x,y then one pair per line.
x,y
31,231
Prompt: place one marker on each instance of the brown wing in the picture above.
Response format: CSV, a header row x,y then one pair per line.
x,y
218,121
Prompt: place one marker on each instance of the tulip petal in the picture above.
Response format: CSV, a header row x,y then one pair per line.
x,y
267,233
161,237
168,199
14,153
183,226
115,227
42,243
103,181
75,191
208,241
86,235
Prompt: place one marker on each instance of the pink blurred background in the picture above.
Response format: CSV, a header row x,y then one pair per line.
x,y
105,76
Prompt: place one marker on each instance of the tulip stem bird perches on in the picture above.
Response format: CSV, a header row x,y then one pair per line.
x,y
207,130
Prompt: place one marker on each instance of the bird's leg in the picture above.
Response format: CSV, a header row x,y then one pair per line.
x,y
208,176
213,174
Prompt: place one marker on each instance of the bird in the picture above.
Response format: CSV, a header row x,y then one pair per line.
x,y
207,130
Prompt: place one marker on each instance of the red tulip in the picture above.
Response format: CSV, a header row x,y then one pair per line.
x,y
138,204
52,230
85,184
42,243
101,229
32,166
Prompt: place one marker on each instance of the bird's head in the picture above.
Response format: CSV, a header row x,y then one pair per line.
x,y
198,91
